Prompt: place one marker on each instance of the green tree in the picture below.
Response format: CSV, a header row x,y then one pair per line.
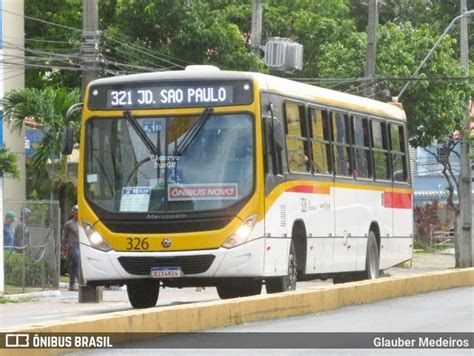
x,y
48,107
8,164
180,32
53,47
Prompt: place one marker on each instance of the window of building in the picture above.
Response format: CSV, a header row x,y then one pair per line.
x,y
397,153
380,150
296,138
361,147
320,141
341,138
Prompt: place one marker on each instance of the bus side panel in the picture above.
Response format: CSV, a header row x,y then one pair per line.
x,y
402,242
347,218
276,236
312,203
384,219
319,221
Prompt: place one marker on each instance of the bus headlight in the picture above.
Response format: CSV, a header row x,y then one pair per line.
x,y
242,234
96,240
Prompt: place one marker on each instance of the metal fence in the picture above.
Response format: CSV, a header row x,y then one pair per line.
x,y
33,262
442,238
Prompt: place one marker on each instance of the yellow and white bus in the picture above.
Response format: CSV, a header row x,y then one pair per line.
x,y
204,177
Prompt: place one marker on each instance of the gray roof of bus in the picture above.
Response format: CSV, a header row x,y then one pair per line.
x,y
268,83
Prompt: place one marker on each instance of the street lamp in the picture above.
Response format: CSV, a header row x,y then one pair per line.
x,y
467,13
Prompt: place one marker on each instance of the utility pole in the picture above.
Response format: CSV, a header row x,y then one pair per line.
x,y
370,67
256,30
465,189
90,41
89,56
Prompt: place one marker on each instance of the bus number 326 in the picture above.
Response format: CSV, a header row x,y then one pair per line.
x,y
136,243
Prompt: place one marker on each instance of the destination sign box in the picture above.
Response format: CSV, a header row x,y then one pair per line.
x,y
170,95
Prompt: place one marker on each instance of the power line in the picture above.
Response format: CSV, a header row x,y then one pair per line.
x,y
137,48
42,21
378,78
144,52
148,50
40,40
127,54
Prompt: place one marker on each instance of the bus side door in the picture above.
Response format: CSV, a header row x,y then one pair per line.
x,y
276,240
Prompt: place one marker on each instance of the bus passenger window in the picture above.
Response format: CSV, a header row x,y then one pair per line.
x,y
296,141
361,147
380,150
320,138
340,126
397,153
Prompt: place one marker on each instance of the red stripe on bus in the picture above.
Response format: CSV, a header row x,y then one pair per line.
x,y
397,200
309,189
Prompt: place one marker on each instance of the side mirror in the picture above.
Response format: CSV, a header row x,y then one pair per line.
x,y
67,143
278,134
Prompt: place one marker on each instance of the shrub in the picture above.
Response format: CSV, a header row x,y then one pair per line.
x,y
426,220
23,271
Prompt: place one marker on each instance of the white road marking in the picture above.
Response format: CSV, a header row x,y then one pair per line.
x,y
51,315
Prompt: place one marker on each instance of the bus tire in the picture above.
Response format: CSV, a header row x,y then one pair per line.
x,y
372,263
143,293
288,282
372,258
244,287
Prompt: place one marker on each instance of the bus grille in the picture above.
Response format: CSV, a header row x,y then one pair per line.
x,y
189,264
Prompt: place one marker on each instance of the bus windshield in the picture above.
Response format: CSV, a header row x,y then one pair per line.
x,y
213,172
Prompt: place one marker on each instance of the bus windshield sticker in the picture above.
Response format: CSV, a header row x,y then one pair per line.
x,y
222,191
151,127
92,178
175,176
135,199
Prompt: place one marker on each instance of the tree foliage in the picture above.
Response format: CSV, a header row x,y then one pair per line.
x,y
171,34
48,107
8,164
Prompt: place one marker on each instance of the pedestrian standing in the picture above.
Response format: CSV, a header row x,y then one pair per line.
x,y
71,243
22,232
9,231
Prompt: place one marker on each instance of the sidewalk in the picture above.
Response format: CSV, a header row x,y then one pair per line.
x,y
425,262
63,303
421,262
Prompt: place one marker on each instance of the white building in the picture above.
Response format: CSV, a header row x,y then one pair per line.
x,y
12,76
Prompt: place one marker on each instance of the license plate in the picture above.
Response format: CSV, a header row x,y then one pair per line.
x,y
166,272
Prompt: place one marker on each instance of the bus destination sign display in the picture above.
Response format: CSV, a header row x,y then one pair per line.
x,y
170,95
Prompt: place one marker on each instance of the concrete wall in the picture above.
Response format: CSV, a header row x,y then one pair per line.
x,y
13,78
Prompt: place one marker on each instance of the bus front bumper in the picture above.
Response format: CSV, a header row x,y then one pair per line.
x,y
246,260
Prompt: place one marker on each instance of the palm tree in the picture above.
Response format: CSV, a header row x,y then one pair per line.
x,y
48,107
8,164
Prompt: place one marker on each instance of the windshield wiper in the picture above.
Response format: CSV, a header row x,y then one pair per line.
x,y
192,132
141,133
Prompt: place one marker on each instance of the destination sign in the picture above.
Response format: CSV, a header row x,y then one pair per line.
x,y
170,95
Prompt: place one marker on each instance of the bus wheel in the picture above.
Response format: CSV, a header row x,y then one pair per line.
x,y
372,259
143,293
242,287
288,282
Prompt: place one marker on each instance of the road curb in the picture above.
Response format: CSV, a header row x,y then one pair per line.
x,y
208,315
38,294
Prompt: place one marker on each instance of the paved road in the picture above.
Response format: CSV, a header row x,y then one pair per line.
x,y
65,306
444,311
